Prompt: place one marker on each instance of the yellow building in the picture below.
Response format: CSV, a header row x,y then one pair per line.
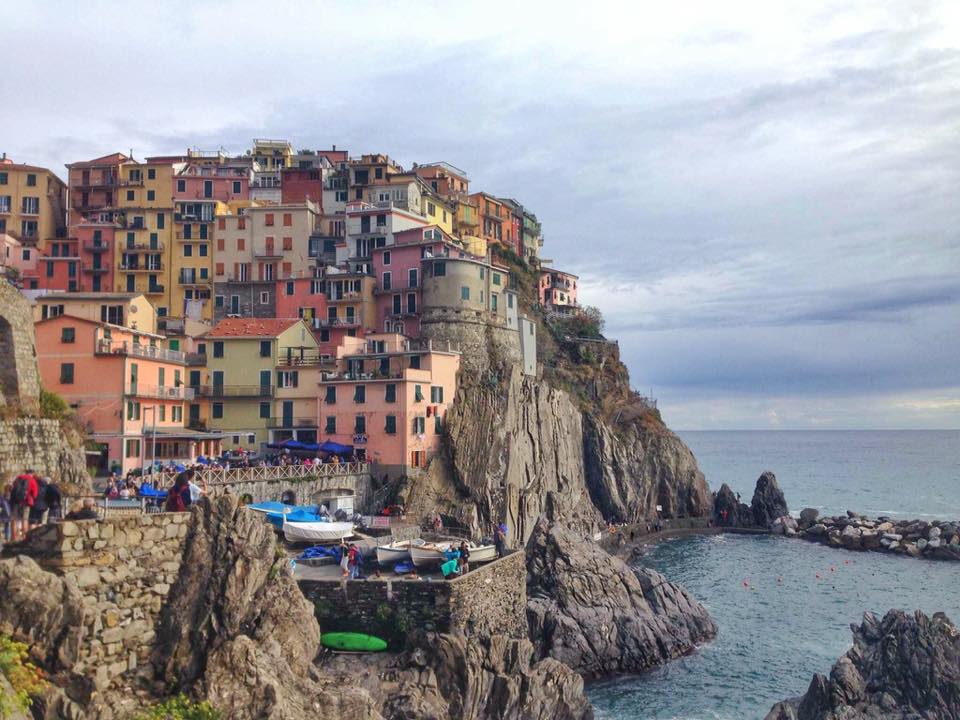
x,y
131,310
33,203
144,237
242,381
272,154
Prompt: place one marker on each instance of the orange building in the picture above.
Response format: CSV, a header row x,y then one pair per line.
x,y
126,388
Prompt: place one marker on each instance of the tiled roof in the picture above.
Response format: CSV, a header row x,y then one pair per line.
x,y
251,327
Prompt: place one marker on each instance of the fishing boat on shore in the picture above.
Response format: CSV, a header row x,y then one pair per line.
x,y
482,553
317,532
397,551
430,554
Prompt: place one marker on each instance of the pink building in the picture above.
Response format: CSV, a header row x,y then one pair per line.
x,y
128,390
301,298
398,273
558,291
388,399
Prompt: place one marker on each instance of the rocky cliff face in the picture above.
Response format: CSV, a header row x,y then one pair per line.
x,y
900,667
594,613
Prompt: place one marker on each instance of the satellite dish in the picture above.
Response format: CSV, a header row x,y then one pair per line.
x,y
133,308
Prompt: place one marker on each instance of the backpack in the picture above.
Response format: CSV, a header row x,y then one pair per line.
x,y
18,493
40,502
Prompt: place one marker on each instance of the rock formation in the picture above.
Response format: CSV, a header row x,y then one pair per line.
x,y
768,502
729,511
594,613
900,667
935,539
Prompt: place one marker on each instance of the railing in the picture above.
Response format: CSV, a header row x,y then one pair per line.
x,y
142,268
235,391
142,247
96,247
407,346
96,270
292,422
164,392
194,359
155,290
297,357
222,476
106,347
338,322
267,252
192,279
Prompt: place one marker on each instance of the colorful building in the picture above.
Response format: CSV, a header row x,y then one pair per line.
x,y
558,291
33,203
368,170
128,390
241,378
388,398
474,288
369,227
130,310
444,178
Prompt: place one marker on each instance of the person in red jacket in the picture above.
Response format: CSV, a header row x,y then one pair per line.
x,y
23,495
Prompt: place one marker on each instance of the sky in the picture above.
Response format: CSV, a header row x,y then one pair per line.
x,y
761,197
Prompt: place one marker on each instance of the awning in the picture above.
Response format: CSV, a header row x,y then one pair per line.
x,y
336,448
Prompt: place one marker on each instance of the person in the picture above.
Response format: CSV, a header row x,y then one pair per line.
x,y
437,523
195,490
82,510
352,561
38,512
5,515
357,563
344,558
464,567
23,494
178,497
500,540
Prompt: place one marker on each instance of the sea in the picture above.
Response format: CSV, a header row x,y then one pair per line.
x,y
779,623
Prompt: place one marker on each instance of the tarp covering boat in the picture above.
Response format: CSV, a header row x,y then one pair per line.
x,y
317,531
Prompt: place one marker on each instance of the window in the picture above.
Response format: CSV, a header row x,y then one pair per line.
x,y
397,304
360,394
360,424
130,195
133,410
217,410
415,362
188,250
288,243
419,425
288,219
411,303
481,273
390,394
5,203
30,205
133,449
31,180
241,244
68,335
431,209
437,424
436,394
181,185
3,178
49,268
387,283
331,427
163,413
268,219
412,277
493,301
288,378
341,196
237,187
218,299
265,346
439,269
151,195
218,348
218,269
265,298
464,292
496,278
264,409
251,439
151,173
510,300
331,395
418,393
390,428
178,413
160,221
66,373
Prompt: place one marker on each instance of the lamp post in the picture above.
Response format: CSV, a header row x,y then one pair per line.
x,y
153,440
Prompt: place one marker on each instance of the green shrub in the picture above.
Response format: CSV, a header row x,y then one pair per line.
x,y
181,708
53,406
24,677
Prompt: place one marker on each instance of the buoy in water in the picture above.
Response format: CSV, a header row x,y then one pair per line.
x,y
818,576
746,583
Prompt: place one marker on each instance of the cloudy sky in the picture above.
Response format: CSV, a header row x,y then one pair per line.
x,y
760,196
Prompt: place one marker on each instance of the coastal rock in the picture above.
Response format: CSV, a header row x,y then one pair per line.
x,y
817,530
451,677
808,516
900,667
850,537
768,502
729,511
597,615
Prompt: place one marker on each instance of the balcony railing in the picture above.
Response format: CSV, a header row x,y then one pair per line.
x,y
236,391
163,392
270,252
195,359
108,347
142,247
292,422
96,270
96,247
297,357
156,290
142,268
335,322
192,279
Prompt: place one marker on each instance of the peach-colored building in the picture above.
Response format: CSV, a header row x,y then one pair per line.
x,y
388,398
126,388
558,291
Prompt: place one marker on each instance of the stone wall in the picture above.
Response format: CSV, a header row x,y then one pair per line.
x,y
491,599
482,343
39,444
308,490
124,568
19,375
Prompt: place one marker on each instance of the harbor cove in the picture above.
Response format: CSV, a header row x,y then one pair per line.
x,y
479,361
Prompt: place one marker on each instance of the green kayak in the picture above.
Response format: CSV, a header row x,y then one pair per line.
x,y
353,642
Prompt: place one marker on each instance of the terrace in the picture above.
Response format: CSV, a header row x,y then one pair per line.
x,y
108,347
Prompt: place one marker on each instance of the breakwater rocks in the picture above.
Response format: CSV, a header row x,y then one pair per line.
x,y
904,666
936,539
596,614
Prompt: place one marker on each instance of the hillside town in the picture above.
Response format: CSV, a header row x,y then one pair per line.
x,y
209,305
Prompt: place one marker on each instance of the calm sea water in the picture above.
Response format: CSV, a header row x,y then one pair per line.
x,y
787,624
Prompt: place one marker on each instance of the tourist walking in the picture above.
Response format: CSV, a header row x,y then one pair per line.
x,y
500,539
5,516
23,495
344,559
464,560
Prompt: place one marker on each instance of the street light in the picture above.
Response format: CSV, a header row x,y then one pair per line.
x,y
153,441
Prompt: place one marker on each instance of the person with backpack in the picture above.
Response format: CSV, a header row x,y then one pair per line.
x,y
178,497
38,511
54,500
23,494
5,518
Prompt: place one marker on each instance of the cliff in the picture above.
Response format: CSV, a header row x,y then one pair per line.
x,y
902,666
574,443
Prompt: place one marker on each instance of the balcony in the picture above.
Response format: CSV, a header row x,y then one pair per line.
x,y
298,357
347,296
96,270
142,247
183,237
96,247
155,290
291,422
336,322
142,268
107,181
196,359
131,182
170,324
267,253
162,392
192,279
236,391
107,347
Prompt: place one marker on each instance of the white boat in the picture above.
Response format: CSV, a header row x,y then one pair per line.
x,y
396,551
317,532
482,553
428,554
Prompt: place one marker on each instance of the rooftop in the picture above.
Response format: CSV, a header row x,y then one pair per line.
x,y
252,327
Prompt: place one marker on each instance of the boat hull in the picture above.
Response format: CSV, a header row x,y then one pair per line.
x,y
353,642
484,553
317,532
428,556
387,555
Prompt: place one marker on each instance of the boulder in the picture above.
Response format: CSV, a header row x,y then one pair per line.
x,y
933,533
768,502
921,544
885,527
808,516
597,615
818,529
728,511
850,537
893,537
870,540
900,667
